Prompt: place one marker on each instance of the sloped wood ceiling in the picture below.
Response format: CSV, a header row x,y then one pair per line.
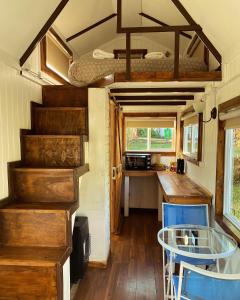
x,y
80,14
218,18
20,22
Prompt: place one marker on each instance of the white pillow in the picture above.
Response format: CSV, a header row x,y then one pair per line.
x,y
155,55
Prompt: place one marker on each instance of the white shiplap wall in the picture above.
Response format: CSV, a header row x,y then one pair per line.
x,y
205,173
15,96
95,185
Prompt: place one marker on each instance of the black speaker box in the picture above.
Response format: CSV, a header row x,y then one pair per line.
x,y
81,249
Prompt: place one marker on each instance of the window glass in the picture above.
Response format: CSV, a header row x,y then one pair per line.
x,y
137,139
232,176
161,138
150,139
190,140
195,139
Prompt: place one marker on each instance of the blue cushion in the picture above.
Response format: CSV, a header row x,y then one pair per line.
x,y
175,283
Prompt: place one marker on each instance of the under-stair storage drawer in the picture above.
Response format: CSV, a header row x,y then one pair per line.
x,y
53,150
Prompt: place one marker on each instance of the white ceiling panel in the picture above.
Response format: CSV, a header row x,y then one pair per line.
x,y
164,10
130,13
219,19
95,37
79,15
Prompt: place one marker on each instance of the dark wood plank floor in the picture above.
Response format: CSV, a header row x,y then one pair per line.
x,y
135,269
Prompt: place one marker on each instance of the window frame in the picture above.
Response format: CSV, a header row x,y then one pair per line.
x,y
195,159
220,217
153,115
43,56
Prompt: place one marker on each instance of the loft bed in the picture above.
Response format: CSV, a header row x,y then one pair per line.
x,y
177,72
101,72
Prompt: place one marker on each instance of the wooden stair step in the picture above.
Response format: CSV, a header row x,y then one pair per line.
x,y
30,225
41,206
33,256
53,150
30,184
63,95
60,120
28,273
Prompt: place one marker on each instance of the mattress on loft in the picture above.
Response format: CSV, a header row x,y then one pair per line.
x,y
83,72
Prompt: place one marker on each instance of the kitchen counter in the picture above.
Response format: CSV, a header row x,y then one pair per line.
x,y
180,189
138,173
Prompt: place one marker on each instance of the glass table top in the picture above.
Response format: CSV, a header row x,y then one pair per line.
x,y
197,241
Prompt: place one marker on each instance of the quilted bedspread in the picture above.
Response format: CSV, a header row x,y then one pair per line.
x,y
85,71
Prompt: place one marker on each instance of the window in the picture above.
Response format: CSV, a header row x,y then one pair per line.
x,y
55,57
232,176
191,137
227,198
190,140
150,135
150,139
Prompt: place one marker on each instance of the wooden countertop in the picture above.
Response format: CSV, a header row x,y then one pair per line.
x,y
180,189
138,173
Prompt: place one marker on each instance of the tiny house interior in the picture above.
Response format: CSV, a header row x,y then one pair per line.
x,y
120,150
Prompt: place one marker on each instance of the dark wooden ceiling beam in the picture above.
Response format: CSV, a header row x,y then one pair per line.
x,y
160,29
162,24
176,55
156,98
193,45
184,12
209,46
200,33
158,90
90,27
128,56
119,15
42,32
149,103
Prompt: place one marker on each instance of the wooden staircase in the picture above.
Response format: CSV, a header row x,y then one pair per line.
x,y
35,221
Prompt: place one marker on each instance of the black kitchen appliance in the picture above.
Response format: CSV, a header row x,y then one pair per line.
x,y
137,161
180,166
81,249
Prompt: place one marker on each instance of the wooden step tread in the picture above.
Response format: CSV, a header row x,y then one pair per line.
x,y
48,108
42,169
58,136
81,170
33,256
40,206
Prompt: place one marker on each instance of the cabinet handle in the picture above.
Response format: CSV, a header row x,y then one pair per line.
x,y
114,173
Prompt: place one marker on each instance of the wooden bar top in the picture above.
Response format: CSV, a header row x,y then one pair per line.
x,y
180,189
138,173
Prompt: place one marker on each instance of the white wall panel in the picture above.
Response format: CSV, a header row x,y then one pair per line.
x,y
95,188
15,96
